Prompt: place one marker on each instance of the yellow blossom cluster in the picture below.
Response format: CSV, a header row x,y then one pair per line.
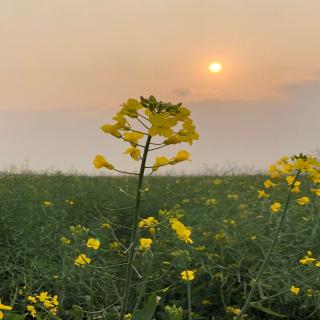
x,y
181,230
42,300
305,164
171,122
309,259
149,223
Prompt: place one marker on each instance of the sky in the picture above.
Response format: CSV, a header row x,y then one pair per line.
x,y
66,66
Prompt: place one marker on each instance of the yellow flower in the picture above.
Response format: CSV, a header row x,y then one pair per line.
x,y
181,155
161,124
145,243
316,192
134,153
32,310
295,190
275,207
65,240
133,137
303,201
211,202
188,133
269,184
217,181
187,275
307,260
105,226
4,307
181,230
69,202
128,316
112,129
262,194
82,260
101,162
233,310
233,196
47,204
131,108
160,162
295,290
229,222
318,264
93,243
148,222
174,139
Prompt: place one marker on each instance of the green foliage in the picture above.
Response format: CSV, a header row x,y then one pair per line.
x,y
230,238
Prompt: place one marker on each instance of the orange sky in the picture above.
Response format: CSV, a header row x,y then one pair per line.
x,y
75,60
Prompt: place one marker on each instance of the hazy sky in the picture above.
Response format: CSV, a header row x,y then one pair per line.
x,y
66,66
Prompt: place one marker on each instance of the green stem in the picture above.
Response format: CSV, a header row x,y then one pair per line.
x,y
134,232
267,257
189,300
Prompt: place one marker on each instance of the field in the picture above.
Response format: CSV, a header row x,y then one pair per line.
x,y
232,230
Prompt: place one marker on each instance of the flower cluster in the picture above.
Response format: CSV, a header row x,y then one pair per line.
x,y
307,165
149,223
171,123
42,301
181,230
290,170
309,259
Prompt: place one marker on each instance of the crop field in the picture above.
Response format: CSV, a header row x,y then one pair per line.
x,y
47,220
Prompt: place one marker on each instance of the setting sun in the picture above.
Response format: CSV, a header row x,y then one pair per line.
x,y
215,67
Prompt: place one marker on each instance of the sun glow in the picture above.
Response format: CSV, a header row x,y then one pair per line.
x,y
215,67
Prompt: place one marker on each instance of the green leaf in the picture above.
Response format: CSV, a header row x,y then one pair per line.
x,y
268,311
148,310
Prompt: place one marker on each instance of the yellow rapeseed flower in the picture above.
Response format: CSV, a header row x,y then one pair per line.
x,y
262,194
275,207
131,108
145,243
295,290
303,201
134,153
316,192
32,310
93,243
181,230
133,137
101,162
5,308
269,184
187,275
47,204
82,260
160,162
307,260
181,155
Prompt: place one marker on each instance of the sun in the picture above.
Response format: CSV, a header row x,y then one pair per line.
x,y
215,67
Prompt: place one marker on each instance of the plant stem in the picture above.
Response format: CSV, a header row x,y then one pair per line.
x,y
267,257
134,232
189,301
